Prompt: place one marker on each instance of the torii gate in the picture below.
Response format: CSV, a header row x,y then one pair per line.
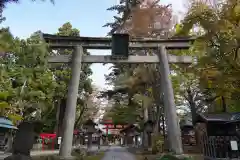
x,y
120,44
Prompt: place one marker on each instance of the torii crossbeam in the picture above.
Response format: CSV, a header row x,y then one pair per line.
x,y
80,43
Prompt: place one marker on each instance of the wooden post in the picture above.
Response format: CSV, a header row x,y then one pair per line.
x,y
69,117
107,134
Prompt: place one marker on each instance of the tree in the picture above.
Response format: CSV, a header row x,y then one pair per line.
x,y
33,87
24,75
90,107
218,44
62,73
124,8
138,85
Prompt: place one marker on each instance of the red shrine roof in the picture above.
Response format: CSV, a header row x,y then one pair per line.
x,y
109,121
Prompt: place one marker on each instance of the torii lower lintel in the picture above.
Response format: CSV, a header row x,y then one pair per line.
x,y
131,59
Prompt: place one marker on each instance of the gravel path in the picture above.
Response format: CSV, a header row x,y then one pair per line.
x,y
118,153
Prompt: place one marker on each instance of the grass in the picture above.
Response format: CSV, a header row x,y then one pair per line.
x,y
98,156
149,157
154,157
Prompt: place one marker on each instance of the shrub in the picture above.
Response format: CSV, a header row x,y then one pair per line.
x,y
157,144
173,157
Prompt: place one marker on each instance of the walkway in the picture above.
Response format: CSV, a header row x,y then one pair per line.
x,y
118,153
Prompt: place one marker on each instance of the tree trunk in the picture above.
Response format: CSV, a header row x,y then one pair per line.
x,y
224,105
61,117
158,101
192,105
57,105
79,118
61,105
156,127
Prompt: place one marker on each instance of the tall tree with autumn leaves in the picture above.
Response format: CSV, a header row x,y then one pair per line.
x,y
148,19
218,44
211,85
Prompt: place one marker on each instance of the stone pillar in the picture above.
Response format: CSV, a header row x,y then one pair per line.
x,y
173,128
136,140
125,140
149,137
145,139
89,146
70,112
99,141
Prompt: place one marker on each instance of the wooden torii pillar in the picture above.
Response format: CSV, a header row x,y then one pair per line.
x,y
80,43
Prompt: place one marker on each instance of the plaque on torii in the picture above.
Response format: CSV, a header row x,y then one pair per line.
x,y
120,45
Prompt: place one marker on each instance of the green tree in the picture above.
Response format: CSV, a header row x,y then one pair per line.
x,y
34,88
139,84
124,9
25,77
218,44
62,74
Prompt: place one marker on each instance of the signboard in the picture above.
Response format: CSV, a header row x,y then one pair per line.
x,y
114,131
119,126
112,126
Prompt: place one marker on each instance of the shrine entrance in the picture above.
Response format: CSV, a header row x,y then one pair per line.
x,y
120,44
113,131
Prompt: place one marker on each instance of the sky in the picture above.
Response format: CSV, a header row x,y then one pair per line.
x,y
87,15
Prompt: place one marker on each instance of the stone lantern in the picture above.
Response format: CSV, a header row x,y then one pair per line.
x,y
99,134
148,128
131,133
136,135
123,138
89,126
24,140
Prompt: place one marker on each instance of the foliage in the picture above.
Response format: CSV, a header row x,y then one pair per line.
x,y
172,157
62,73
24,74
137,86
31,88
218,66
210,85
157,145
124,8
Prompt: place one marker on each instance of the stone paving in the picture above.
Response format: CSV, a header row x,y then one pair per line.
x,y
118,153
